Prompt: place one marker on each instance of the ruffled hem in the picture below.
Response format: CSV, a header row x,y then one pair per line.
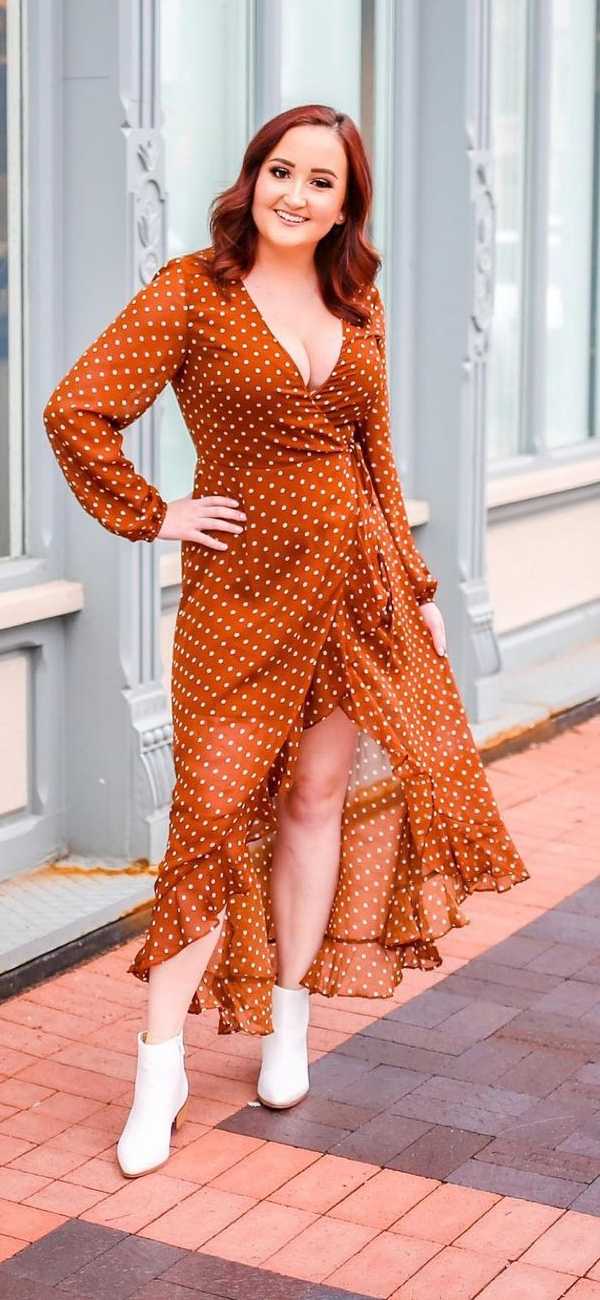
x,y
454,860
393,900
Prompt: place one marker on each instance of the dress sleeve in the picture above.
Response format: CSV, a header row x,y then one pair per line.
x,y
112,383
375,435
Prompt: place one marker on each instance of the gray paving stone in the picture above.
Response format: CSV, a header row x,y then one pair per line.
x,y
379,1141
572,998
513,1182
506,995
542,1070
454,1114
547,1122
381,1086
484,1095
564,927
561,959
223,1277
524,977
431,1008
283,1126
118,1273
588,1202
63,1251
518,950
540,1160
438,1151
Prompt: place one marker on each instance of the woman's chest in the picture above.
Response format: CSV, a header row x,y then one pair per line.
x,y
237,364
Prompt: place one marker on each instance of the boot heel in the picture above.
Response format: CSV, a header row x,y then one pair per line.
x,y
180,1116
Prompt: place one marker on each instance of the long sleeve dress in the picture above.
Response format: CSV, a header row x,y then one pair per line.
x,y
314,604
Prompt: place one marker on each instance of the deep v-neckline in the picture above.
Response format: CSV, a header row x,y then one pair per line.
x,y
309,392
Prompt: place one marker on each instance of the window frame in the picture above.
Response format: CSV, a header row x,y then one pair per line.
x,y
534,454
15,165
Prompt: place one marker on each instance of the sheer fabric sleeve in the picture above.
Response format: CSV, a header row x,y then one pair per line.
x,y
112,383
375,435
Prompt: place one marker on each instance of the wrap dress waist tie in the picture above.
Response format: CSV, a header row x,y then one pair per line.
x,y
370,590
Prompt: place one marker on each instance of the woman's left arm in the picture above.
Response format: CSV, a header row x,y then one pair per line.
x,y
375,434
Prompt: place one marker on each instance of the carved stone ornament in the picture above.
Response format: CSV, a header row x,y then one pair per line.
x,y
146,184
484,255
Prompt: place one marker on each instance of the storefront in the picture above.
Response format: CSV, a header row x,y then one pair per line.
x,y
119,123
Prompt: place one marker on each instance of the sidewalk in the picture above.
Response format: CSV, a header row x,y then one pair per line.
x,y
449,1147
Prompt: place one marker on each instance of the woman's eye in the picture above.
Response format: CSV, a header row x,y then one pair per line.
x,y
319,180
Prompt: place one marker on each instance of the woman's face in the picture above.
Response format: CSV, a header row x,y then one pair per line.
x,y
304,175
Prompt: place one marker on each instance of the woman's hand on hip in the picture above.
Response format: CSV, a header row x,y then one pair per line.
x,y
189,518
432,616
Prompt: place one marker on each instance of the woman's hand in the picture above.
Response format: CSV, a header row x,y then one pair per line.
x,y
432,616
188,518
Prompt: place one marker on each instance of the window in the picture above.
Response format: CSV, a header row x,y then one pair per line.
x,y
325,54
205,51
542,388
11,424
321,54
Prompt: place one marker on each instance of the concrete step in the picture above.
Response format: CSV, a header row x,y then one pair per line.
x,y
58,902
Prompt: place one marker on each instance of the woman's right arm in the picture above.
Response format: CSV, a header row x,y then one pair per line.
x,y
114,381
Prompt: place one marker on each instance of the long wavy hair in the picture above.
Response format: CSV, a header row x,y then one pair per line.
x,y
344,258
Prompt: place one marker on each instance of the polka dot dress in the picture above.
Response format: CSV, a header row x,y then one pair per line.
x,y
314,604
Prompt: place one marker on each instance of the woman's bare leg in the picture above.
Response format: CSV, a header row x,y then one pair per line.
x,y
173,982
306,850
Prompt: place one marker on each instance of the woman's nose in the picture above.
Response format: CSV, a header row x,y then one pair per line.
x,y
295,196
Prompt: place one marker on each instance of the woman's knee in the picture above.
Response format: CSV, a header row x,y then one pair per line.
x,y
316,795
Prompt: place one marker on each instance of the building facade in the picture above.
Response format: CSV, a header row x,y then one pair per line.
x,y
119,122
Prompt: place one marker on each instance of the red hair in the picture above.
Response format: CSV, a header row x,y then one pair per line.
x,y
344,259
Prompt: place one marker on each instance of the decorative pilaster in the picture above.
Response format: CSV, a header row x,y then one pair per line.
x,y
482,653
454,296
150,727
119,756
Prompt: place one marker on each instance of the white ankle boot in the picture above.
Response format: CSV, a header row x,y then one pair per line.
x,y
283,1078
159,1103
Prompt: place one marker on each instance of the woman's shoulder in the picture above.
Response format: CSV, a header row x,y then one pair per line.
x,y
192,269
369,297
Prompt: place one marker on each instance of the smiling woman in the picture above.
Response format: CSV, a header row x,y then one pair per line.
x,y
306,199
330,809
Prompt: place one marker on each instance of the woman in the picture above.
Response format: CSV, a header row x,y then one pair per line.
x,y
330,810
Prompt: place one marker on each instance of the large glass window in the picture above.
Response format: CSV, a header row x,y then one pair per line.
x,y
543,342
509,119
11,452
569,228
321,54
326,53
205,49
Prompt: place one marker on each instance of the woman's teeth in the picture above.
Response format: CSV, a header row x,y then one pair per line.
x,y
289,220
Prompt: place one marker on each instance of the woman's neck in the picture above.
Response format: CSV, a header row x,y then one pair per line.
x,y
296,266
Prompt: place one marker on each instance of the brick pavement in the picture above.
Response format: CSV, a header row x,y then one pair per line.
x,y
450,1144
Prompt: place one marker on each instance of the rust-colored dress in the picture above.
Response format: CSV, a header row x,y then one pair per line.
x,y
314,604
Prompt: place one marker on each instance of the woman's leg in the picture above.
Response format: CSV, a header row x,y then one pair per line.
x,y
173,982
306,850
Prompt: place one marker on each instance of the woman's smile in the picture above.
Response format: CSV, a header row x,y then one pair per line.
x,y
290,218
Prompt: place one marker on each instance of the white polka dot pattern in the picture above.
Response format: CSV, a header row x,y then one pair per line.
x,y
314,604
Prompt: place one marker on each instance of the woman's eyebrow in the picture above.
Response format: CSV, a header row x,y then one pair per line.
x,y
313,169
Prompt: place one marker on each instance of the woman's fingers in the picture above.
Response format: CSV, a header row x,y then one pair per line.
x,y
188,519
217,501
198,536
432,616
227,525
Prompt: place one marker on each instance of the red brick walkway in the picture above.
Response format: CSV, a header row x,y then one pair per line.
x,y
450,1145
